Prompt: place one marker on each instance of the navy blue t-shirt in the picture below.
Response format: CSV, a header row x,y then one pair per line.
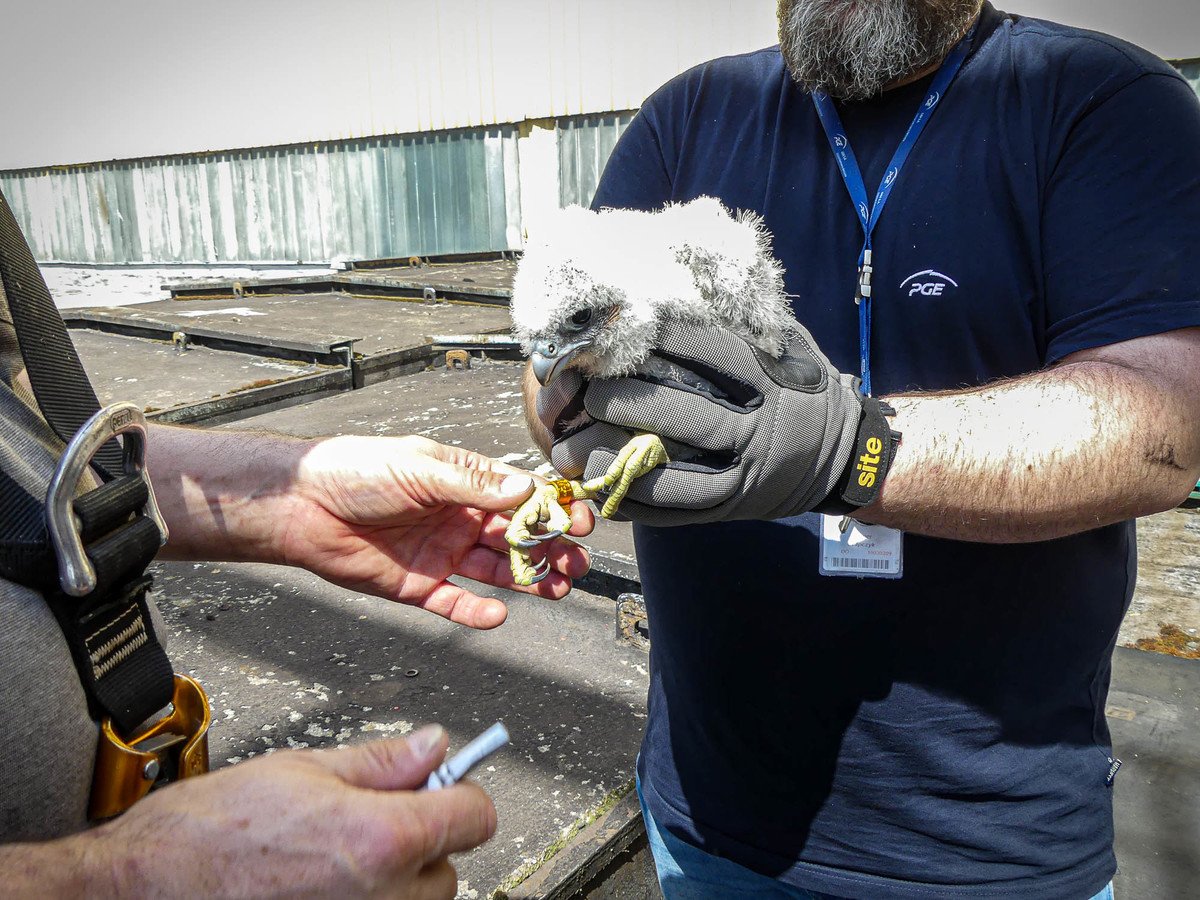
x,y
943,734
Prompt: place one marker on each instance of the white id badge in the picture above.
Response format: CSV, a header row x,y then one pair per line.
x,y
865,551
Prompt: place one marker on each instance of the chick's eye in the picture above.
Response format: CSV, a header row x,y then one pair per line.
x,y
581,318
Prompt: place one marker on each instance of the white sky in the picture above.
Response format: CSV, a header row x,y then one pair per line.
x,y
88,80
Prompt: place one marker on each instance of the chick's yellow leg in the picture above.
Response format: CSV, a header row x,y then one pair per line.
x,y
541,508
546,506
641,455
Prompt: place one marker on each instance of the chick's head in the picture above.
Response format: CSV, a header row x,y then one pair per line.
x,y
591,290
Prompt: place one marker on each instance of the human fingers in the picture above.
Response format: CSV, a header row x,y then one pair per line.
x,y
449,483
492,567
452,820
398,764
465,607
564,554
583,520
436,881
461,456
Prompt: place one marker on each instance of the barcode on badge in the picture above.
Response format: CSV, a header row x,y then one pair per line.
x,y
838,562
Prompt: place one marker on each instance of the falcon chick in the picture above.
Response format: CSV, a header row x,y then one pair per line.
x,y
592,293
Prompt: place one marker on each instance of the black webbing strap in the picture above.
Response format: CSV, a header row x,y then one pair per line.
x,y
61,386
102,510
121,663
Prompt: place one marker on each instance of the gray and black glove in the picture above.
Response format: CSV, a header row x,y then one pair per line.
x,y
751,437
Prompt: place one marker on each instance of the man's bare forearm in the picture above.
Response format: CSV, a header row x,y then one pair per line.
x,y
67,867
1109,434
1076,447
216,490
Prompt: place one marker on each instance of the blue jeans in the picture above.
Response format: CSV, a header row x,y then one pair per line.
x,y
686,872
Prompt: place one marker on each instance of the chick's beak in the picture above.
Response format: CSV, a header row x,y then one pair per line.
x,y
549,358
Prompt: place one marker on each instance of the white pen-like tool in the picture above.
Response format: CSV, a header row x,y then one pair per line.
x,y
453,769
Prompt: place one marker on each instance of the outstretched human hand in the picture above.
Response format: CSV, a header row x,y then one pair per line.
x,y
396,517
348,823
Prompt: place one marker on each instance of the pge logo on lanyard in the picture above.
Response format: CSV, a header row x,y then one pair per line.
x,y
927,283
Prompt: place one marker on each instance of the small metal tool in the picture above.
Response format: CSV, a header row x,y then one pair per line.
x,y
453,769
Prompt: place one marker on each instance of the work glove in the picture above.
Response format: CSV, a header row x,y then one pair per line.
x,y
760,438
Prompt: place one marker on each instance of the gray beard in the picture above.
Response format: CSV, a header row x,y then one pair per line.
x,y
852,49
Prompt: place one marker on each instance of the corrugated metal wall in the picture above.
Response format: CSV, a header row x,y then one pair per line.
x,y
439,192
444,192
584,145
1191,71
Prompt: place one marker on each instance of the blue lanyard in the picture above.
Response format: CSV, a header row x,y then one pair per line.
x,y
869,215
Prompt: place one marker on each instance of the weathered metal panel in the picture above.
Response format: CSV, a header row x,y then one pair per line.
x,y
448,192
1190,69
584,145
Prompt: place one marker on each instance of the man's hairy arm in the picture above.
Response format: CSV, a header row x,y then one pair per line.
x,y
213,486
395,517
1108,434
62,868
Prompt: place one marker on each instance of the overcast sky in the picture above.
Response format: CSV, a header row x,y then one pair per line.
x,y
88,80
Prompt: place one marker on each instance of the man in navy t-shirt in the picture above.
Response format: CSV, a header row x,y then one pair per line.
x,y
1034,300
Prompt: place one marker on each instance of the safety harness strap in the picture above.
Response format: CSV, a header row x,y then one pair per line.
x,y
62,388
121,663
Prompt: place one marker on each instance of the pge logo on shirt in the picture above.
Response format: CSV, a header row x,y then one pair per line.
x,y
927,283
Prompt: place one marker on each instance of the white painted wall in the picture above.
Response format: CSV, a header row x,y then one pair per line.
x,y
1170,28
89,81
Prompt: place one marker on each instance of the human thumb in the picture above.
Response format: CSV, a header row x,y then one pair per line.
x,y
392,765
480,488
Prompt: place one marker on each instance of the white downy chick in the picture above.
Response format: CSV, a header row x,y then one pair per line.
x,y
593,290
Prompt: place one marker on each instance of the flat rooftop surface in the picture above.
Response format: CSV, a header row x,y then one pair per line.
x,y
153,375
1165,611
317,320
1154,715
494,276
490,280
291,661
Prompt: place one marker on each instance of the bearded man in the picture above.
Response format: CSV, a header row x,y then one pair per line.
x,y
992,222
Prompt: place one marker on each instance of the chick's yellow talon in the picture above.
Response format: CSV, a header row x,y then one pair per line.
x,y
642,454
542,508
524,573
547,507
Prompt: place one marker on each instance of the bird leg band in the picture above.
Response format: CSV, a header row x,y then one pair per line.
x,y
550,504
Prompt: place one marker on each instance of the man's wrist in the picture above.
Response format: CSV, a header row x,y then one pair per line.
x,y
225,495
75,866
870,459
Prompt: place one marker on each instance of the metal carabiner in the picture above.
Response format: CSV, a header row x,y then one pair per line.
x,y
76,574
174,747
